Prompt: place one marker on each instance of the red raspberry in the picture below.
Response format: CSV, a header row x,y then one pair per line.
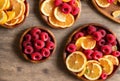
x,y
39,44
26,43
58,2
78,35
36,56
66,8
50,45
28,37
116,53
106,49
88,53
35,37
44,36
97,55
71,48
110,1
114,43
28,50
35,31
110,38
97,36
75,10
72,2
104,75
103,32
101,42
91,29
45,52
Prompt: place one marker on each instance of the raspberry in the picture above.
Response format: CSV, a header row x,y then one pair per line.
x,y
88,54
66,8
39,44
103,32
106,49
78,35
35,31
71,48
36,56
110,38
28,50
114,43
50,45
110,1
97,55
45,52
58,2
28,37
72,2
101,42
97,36
26,43
35,37
104,75
116,53
91,29
44,36
75,10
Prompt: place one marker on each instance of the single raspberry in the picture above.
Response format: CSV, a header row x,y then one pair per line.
x,y
97,55
71,48
28,37
88,53
39,44
114,43
104,75
101,42
116,53
75,10
91,29
50,45
36,56
110,1
78,35
66,8
26,43
45,52
110,38
106,49
28,50
97,36
35,37
35,31
103,32
72,2
44,36
58,2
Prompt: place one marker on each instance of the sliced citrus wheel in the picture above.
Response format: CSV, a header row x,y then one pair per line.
x,y
3,17
107,65
8,4
11,15
116,13
79,74
59,15
47,7
102,3
76,61
113,59
93,70
3,4
12,22
20,19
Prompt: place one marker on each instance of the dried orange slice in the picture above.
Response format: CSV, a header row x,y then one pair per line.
x,y
3,4
47,7
3,17
20,19
10,14
113,59
107,65
76,61
12,22
8,4
102,3
93,70
79,74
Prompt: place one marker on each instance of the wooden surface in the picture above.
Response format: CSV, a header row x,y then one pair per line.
x,y
13,67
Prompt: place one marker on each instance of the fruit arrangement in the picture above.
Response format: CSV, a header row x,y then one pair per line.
x,y
13,12
37,44
92,53
60,13
110,8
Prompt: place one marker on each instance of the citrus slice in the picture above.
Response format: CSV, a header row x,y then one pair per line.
x,y
59,15
93,70
65,0
12,22
3,4
79,74
47,7
107,65
102,3
88,43
20,19
3,17
11,15
76,61
8,4
116,13
113,59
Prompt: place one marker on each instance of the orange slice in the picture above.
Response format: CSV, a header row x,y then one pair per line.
x,y
12,22
3,4
66,0
103,3
47,7
107,65
76,61
93,71
59,15
79,74
113,59
20,19
8,4
11,15
3,17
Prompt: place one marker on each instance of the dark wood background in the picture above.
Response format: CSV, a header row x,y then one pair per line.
x,y
13,67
